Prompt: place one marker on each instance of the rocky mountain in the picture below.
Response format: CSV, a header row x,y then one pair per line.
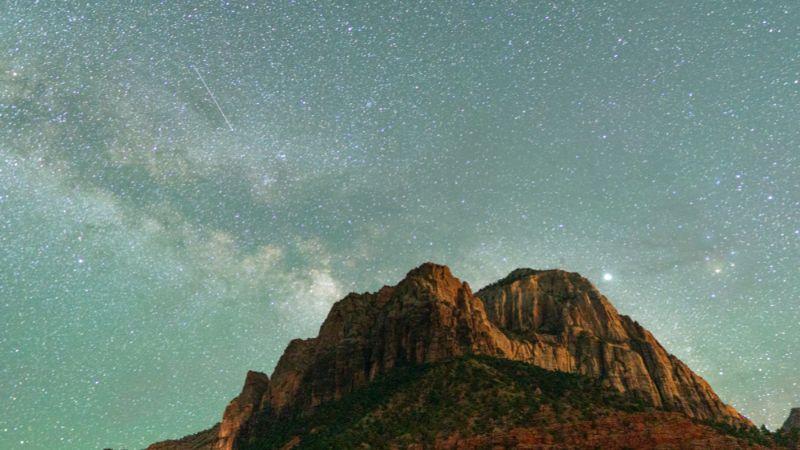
x,y
793,421
552,319
479,402
566,324
789,434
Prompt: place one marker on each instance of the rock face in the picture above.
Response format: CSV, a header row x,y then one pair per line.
x,y
553,319
793,421
241,408
234,420
569,326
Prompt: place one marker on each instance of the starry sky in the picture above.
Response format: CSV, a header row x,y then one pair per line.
x,y
185,186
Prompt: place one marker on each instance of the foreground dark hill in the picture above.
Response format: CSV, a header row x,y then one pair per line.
x,y
431,321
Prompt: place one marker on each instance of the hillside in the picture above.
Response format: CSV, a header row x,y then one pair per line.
x,y
480,402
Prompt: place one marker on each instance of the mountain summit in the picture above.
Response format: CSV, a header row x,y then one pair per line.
x,y
552,319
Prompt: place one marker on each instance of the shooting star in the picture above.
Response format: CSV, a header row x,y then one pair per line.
x,y
214,99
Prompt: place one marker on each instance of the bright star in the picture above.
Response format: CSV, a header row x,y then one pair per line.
x,y
607,277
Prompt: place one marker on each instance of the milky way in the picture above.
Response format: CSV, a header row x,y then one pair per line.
x,y
153,248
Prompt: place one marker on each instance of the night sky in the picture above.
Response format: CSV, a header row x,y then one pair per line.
x,y
185,186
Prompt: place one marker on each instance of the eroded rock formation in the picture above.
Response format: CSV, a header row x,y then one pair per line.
x,y
567,325
553,319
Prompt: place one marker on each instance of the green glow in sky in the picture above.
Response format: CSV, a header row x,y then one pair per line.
x,y
153,250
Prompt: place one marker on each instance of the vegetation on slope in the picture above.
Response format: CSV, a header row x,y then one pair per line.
x,y
467,396
761,436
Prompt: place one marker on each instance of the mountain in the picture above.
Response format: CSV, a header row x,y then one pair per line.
x,y
793,421
789,434
431,321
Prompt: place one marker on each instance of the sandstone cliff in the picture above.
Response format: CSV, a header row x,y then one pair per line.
x,y
567,325
553,319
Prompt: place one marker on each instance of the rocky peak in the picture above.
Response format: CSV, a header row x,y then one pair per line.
x,y
433,282
241,409
550,318
565,324
550,302
428,316
793,421
431,271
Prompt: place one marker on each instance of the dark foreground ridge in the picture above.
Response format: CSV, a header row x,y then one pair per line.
x,y
429,364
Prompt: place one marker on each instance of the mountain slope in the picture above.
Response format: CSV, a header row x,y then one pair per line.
x,y
473,401
552,319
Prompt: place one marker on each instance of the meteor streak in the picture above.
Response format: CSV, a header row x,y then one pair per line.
x,y
214,99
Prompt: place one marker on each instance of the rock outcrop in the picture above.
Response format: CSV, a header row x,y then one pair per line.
x,y
553,319
569,326
793,421
241,408
234,420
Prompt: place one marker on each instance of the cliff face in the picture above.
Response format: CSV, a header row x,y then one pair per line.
x,y
241,409
571,327
552,319
427,317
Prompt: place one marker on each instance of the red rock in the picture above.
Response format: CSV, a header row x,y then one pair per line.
x,y
553,319
241,408
650,430
566,324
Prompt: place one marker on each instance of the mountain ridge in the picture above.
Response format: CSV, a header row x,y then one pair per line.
x,y
552,319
